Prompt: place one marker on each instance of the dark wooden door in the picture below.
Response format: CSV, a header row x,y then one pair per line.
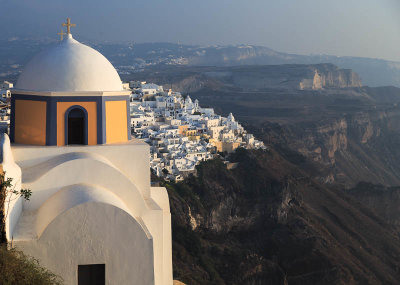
x,y
92,274
75,131
76,127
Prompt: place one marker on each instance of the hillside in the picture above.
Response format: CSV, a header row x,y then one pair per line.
x,y
352,133
269,222
252,78
132,58
373,72
302,212
383,200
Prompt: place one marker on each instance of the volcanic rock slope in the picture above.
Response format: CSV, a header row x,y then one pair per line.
x,y
269,222
308,210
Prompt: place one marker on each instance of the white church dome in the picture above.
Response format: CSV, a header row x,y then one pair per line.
x,y
69,67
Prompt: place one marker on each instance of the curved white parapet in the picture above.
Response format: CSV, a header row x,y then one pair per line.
x,y
7,157
85,169
34,172
158,222
160,196
131,159
72,196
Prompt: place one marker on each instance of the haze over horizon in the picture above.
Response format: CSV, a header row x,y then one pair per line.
x,y
367,28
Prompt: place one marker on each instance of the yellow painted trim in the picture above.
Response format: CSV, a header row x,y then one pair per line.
x,y
30,122
72,94
91,108
116,122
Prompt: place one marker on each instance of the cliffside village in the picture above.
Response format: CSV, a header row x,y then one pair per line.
x,y
5,99
179,131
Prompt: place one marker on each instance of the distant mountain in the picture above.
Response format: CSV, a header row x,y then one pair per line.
x,y
131,58
373,72
188,79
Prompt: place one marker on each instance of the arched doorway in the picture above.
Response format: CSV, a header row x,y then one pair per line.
x,y
76,126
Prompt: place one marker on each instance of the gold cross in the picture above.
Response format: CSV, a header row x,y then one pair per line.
x,y
68,25
61,34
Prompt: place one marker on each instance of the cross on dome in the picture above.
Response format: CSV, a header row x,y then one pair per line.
x,y
68,25
61,34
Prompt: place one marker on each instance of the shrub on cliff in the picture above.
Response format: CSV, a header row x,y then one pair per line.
x,y
17,268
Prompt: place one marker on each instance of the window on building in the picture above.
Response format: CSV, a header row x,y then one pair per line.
x,y
92,274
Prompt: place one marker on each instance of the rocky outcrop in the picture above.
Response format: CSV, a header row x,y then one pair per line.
x,y
320,142
362,146
303,77
253,78
329,76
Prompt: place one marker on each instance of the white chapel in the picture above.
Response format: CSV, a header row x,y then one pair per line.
x,y
93,217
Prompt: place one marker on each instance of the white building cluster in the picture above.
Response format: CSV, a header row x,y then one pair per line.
x,y
180,132
5,90
5,97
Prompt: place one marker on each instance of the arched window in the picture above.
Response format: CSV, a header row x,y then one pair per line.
x,y
76,126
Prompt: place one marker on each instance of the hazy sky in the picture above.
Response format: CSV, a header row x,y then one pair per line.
x,y
368,28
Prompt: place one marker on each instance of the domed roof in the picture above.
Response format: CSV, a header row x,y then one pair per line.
x,y
69,67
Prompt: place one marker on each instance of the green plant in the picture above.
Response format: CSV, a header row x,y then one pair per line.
x,y
8,193
17,268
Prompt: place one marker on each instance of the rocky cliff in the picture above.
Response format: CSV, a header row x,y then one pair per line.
x,y
362,146
269,222
329,76
384,201
301,77
253,78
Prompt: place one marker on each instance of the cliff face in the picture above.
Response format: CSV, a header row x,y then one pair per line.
x,y
384,201
303,77
329,76
356,147
268,222
281,217
254,78
320,142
